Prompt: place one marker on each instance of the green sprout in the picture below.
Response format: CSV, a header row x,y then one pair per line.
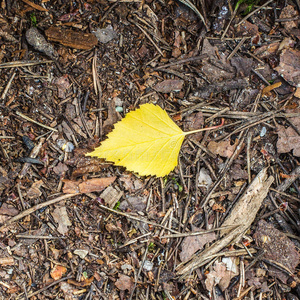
x,y
180,188
250,4
116,207
33,19
151,247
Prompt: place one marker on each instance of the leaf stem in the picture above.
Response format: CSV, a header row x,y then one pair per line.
x,y
204,129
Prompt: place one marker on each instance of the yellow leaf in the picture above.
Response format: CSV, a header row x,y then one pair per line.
x,y
146,141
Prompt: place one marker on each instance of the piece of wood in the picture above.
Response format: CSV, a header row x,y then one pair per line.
x,y
70,38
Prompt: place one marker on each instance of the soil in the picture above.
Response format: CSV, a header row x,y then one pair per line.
x,y
223,224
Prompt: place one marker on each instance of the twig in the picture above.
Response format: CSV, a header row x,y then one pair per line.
x,y
35,208
182,61
50,285
25,63
195,233
235,50
136,218
148,36
98,91
43,237
8,85
35,122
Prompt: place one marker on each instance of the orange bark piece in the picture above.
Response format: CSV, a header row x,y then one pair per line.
x,y
269,88
70,38
58,271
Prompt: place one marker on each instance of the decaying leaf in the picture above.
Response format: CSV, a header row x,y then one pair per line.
x,y
192,244
220,275
88,186
288,139
60,216
124,283
289,66
169,85
222,148
34,191
146,141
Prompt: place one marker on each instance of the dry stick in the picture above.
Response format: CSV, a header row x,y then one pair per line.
x,y
35,6
195,233
98,91
248,125
182,61
249,140
135,218
49,286
35,208
253,12
14,64
43,237
235,50
8,85
35,122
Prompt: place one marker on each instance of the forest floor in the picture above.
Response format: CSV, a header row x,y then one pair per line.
x,y
223,224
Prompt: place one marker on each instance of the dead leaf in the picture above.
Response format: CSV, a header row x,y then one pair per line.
x,y
34,191
88,186
105,35
247,28
278,247
289,66
7,211
134,203
204,179
192,122
219,276
191,244
60,169
58,271
289,12
124,283
223,148
288,139
61,217
169,85
246,208
236,172
62,83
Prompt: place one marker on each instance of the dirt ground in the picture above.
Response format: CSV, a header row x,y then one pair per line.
x,y
224,223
